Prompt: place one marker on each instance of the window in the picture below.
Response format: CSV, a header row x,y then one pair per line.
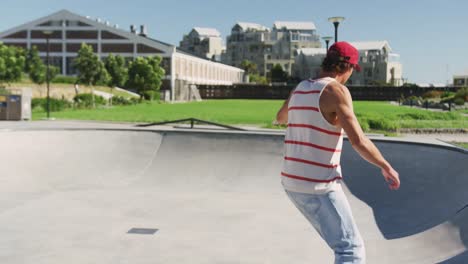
x,y
82,34
124,48
18,35
147,49
75,47
42,47
38,34
108,35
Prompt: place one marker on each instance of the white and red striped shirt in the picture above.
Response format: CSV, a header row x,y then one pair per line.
x,y
312,145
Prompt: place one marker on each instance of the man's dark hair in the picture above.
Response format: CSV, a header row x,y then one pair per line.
x,y
334,63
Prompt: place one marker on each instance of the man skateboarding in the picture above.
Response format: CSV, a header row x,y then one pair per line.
x,y
317,112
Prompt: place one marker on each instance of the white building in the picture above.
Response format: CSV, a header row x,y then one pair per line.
x,y
203,42
460,79
69,30
378,63
266,48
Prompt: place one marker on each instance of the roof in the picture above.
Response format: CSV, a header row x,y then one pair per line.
x,y
312,51
207,32
65,14
371,45
246,26
294,25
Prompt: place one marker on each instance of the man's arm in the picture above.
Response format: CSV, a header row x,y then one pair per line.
x,y
348,121
282,115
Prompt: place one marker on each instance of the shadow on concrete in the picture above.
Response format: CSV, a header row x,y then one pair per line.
x,y
434,182
460,221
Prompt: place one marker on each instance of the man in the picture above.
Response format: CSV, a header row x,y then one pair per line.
x,y
317,112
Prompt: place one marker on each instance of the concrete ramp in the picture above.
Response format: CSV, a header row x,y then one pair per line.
x,y
214,197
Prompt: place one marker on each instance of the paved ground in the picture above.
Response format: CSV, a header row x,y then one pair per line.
x,y
71,196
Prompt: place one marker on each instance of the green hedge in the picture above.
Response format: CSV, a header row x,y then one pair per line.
x,y
85,100
64,79
56,105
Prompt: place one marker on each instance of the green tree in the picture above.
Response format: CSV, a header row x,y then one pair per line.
x,y
249,67
118,72
36,68
91,70
277,74
145,75
12,61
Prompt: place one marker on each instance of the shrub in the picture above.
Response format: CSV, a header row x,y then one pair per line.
x,y
4,91
447,94
120,100
64,79
462,93
86,100
432,94
459,101
150,95
56,105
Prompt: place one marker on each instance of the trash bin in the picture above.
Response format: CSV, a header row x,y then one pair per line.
x,y
3,107
16,107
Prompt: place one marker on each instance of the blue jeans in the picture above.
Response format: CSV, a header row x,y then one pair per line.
x,y
330,214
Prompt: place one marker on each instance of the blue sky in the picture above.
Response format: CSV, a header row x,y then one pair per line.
x,y
431,36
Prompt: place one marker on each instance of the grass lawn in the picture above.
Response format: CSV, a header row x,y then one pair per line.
x,y
380,115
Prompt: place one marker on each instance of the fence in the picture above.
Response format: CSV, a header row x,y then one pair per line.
x,y
370,93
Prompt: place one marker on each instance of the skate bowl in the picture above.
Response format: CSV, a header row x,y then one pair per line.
x,y
77,196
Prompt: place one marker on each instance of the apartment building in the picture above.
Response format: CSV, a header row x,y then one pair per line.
x,y
378,62
203,42
66,32
266,47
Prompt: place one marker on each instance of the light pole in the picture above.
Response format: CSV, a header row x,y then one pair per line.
x,y
336,22
327,40
47,34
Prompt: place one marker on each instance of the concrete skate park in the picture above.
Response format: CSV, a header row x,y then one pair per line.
x,y
74,192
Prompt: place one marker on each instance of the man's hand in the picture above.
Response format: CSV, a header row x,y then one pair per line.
x,y
392,178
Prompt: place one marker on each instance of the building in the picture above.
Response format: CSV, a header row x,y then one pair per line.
x,y
460,79
68,30
203,42
266,47
378,63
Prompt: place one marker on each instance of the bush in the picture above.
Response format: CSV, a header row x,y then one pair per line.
x,y
382,124
432,94
459,101
151,95
64,79
56,105
462,93
120,100
447,94
86,100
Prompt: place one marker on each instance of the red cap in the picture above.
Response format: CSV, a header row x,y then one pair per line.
x,y
346,53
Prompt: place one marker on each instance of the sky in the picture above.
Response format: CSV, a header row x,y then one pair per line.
x,y
431,36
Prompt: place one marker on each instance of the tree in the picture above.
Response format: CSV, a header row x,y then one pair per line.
x,y
91,70
249,67
145,75
36,68
277,74
12,61
118,72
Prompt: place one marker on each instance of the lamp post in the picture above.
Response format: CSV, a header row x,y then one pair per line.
x,y
336,22
47,34
327,40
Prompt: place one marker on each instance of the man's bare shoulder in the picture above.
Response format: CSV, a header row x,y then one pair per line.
x,y
336,91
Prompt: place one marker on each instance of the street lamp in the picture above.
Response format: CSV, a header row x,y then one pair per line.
x,y
327,40
47,34
336,21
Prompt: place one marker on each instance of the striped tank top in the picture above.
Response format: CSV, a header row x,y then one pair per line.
x,y
312,145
